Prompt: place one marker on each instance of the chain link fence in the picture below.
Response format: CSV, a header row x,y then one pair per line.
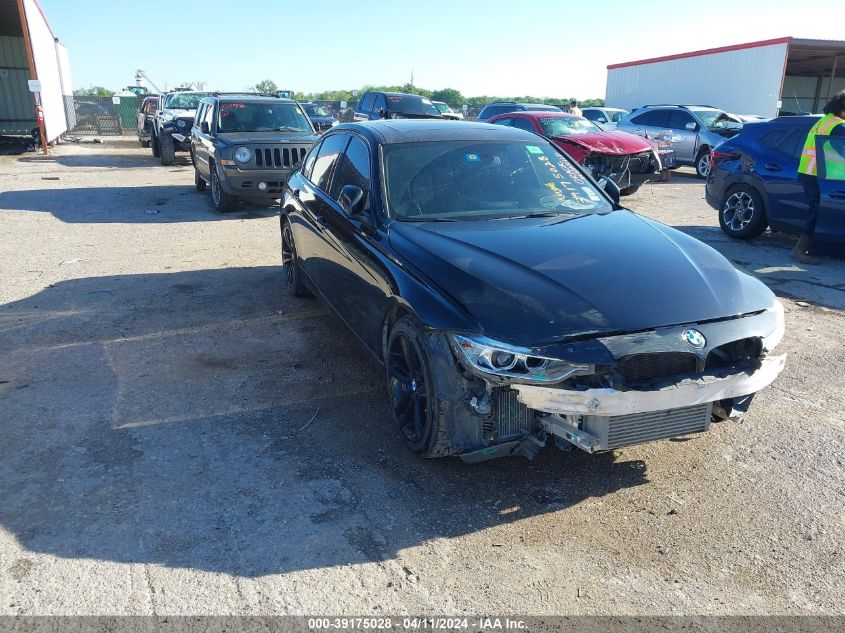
x,y
101,116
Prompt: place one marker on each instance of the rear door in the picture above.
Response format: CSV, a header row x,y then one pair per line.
x,y
776,165
649,123
684,141
830,228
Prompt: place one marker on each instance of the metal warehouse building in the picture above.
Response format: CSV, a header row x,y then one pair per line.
x,y
29,50
765,78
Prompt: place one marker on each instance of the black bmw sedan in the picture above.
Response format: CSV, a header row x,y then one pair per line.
x,y
509,298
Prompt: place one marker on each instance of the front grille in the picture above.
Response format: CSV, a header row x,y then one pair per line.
x,y
642,367
511,418
605,164
279,157
626,430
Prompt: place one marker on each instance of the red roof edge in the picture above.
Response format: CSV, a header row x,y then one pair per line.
x,y
708,51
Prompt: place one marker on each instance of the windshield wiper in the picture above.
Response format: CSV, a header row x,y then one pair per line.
x,y
538,214
428,220
287,128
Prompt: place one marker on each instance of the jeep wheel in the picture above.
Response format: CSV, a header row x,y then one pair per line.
x,y
221,200
199,181
144,143
629,191
154,145
702,163
167,150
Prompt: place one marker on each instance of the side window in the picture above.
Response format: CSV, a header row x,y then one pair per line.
x,y
151,106
198,114
591,115
678,120
208,116
656,118
308,165
327,155
353,168
366,103
793,144
505,121
524,124
379,103
786,141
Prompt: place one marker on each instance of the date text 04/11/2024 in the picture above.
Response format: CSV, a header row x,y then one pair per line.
x,y
417,624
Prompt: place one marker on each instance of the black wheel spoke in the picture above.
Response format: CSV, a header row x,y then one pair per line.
x,y
418,417
407,385
398,374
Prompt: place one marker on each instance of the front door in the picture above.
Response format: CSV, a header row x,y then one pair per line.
x,y
830,227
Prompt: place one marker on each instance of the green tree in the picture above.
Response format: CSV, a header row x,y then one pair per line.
x,y
94,91
448,95
266,87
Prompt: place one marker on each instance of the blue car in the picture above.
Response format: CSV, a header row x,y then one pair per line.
x,y
753,182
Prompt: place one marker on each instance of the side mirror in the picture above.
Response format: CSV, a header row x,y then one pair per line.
x,y
691,126
610,188
204,127
601,119
351,200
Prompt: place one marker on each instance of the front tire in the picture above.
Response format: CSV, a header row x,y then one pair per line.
x,y
743,216
221,200
167,150
702,163
144,143
412,392
199,181
629,191
290,264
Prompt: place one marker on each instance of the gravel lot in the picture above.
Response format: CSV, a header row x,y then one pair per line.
x,y
156,455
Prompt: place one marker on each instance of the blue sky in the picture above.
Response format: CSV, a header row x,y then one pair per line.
x,y
537,47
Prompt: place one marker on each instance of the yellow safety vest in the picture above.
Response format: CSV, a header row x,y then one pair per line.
x,y
823,127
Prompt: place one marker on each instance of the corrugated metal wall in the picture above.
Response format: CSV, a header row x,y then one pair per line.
x,y
746,81
17,108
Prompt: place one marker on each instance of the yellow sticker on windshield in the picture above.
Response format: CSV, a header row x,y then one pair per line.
x,y
533,149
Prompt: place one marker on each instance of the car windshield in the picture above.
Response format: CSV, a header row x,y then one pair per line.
x,y
618,116
472,180
406,104
709,117
237,116
316,110
443,108
184,100
566,126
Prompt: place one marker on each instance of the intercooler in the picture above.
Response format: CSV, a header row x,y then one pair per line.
x,y
627,430
511,419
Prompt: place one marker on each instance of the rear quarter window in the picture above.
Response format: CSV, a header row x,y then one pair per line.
x,y
656,118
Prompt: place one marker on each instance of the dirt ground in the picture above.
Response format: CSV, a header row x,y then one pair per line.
x,y
177,436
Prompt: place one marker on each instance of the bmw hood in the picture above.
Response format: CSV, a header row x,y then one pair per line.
x,y
531,281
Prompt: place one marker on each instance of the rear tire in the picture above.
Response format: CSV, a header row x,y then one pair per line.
x,y
221,200
743,215
167,150
627,191
290,264
154,146
412,393
199,181
144,144
702,163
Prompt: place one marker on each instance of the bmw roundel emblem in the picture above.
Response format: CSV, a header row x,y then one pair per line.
x,y
694,339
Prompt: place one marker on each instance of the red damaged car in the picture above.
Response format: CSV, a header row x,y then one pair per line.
x,y
627,159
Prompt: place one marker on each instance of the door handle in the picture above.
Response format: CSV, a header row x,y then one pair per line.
x,y
772,166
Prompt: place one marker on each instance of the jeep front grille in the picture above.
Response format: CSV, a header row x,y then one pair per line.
x,y
279,157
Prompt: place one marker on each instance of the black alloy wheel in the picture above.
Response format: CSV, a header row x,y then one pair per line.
x,y
290,264
409,389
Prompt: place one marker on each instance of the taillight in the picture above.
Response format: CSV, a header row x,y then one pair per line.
x,y
717,156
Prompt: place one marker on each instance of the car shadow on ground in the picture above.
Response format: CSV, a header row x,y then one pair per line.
x,y
157,204
205,420
108,160
768,257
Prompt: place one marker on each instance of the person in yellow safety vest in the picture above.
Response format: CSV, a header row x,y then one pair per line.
x,y
831,124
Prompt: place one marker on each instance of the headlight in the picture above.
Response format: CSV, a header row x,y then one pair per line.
x,y
500,359
243,155
771,341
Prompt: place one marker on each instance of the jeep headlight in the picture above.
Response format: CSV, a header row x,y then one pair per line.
x,y
771,340
243,155
500,359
